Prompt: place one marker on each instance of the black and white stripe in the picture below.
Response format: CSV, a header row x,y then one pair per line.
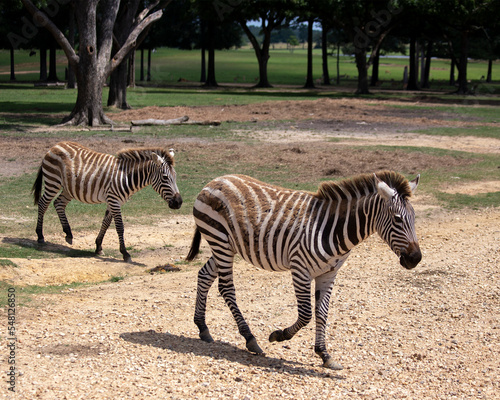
x,y
310,234
93,178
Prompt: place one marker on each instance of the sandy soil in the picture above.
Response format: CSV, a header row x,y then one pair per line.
x,y
429,333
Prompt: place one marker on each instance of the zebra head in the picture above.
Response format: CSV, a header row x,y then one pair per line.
x,y
164,179
396,221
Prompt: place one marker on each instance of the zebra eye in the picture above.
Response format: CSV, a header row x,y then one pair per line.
x,y
398,219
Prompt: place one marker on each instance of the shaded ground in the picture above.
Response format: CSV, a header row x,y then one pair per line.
x,y
429,333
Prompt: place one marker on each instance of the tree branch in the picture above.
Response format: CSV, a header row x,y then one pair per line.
x,y
73,58
131,41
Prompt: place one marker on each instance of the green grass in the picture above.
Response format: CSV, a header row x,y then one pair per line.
x,y
240,66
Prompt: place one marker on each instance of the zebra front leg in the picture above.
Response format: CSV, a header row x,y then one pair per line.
x,y
106,222
302,286
323,291
206,277
117,215
60,204
228,292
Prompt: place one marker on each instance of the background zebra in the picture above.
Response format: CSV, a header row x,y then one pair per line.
x,y
93,178
310,234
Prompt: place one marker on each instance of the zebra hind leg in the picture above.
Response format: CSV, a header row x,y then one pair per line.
x,y
60,204
227,290
206,277
43,204
106,222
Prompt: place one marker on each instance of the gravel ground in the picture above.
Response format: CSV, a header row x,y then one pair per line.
x,y
429,333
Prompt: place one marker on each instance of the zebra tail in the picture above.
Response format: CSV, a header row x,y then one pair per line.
x,y
37,186
195,245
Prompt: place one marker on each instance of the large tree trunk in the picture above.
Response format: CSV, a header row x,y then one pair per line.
x,y
93,64
91,72
362,67
309,77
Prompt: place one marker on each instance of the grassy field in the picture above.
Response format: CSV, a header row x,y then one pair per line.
x,y
169,66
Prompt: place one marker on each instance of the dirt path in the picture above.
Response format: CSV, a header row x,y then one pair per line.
x,y
429,333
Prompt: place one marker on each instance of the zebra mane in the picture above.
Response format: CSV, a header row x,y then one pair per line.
x,y
144,154
360,183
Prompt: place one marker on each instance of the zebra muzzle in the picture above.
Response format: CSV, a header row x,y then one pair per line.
x,y
410,258
175,202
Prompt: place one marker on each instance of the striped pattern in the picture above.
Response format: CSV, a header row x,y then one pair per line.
x,y
310,234
92,177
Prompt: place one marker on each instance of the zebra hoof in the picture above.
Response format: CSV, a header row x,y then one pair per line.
x,y
277,336
253,347
127,259
41,241
206,337
332,365
69,239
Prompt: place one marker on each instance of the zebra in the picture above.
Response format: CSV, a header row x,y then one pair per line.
x,y
309,234
94,178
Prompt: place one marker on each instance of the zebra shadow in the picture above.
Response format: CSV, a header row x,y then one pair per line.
x,y
223,350
60,249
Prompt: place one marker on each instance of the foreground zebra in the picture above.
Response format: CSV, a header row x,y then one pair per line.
x,y
310,234
93,178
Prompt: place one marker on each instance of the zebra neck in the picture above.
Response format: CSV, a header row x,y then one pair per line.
x,y
138,174
346,223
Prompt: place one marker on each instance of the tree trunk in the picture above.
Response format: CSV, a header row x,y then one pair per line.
x,y
324,54
93,63
309,79
52,77
211,81
462,67
262,54
362,67
452,72
131,70
71,38
375,70
117,96
413,71
426,72
12,64
142,65
91,72
488,75
43,64
148,74
338,63
203,75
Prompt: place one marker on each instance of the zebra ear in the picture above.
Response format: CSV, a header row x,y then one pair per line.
x,y
414,183
171,152
384,190
157,159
